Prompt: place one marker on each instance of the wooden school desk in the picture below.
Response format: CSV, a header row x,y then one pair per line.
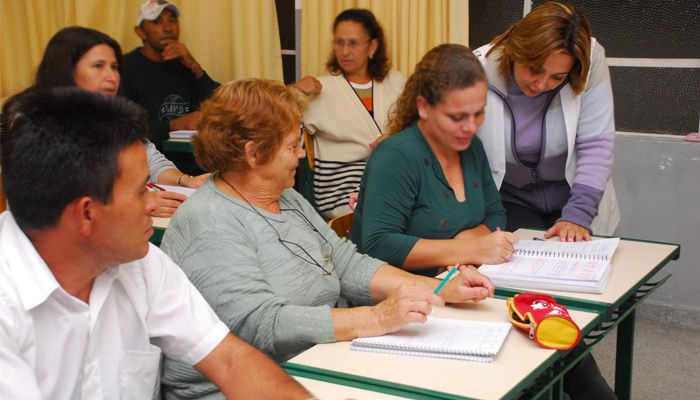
x,y
516,368
633,266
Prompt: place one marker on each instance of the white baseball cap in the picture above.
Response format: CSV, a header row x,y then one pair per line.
x,y
151,9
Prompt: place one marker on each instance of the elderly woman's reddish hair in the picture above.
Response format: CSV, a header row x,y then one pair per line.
x,y
257,110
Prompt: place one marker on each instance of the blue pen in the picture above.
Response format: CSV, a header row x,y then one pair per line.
x,y
446,278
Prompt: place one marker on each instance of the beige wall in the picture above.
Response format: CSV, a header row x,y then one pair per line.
x,y
230,38
411,27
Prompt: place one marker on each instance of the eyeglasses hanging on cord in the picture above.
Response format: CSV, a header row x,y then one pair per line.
x,y
326,248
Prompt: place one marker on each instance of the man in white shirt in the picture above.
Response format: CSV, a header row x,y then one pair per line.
x,y
87,303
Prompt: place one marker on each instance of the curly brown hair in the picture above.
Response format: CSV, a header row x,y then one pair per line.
x,y
379,65
548,29
443,68
258,110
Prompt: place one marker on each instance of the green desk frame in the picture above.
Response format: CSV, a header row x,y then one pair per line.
x,y
157,236
178,146
620,314
545,382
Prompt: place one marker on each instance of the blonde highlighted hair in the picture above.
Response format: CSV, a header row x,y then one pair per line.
x,y
257,110
548,29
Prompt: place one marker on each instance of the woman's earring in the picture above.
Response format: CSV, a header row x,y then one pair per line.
x,y
370,56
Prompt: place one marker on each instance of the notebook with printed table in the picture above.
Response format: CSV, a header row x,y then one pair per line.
x,y
444,338
182,134
555,265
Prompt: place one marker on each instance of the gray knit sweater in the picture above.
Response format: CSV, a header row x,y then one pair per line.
x,y
269,297
157,163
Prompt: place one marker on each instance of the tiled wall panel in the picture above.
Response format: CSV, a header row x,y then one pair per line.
x,y
488,18
656,100
647,99
645,28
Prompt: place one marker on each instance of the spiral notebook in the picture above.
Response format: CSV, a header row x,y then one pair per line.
x,y
556,265
444,338
182,134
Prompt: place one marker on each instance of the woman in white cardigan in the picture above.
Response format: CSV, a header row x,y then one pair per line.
x,y
549,127
351,111
549,134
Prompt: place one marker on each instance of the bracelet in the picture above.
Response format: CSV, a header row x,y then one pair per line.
x,y
179,180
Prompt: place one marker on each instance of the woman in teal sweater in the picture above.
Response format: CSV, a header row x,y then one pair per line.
x,y
427,198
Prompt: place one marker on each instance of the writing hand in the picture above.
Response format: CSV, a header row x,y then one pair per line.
x,y
409,303
165,202
494,248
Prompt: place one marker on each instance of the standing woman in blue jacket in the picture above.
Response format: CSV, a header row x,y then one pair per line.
x,y
549,129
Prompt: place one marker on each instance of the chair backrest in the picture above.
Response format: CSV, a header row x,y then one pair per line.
x,y
342,225
309,147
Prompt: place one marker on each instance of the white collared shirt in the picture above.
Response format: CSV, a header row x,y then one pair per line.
x,y
54,346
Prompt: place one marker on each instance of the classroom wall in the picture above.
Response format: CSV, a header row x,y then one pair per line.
x,y
231,39
654,52
657,181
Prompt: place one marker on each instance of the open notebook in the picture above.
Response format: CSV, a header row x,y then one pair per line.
x,y
182,134
179,189
444,338
556,265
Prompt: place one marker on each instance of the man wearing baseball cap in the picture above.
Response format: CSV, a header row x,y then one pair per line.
x,y
163,76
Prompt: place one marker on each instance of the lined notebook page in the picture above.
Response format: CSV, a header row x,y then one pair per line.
x,y
445,338
555,260
534,268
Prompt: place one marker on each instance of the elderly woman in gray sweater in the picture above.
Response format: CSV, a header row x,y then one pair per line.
x,y
268,264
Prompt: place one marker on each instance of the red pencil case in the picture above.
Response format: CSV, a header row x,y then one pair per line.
x,y
547,322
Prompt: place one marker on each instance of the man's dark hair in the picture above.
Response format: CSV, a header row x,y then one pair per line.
x,y
62,144
65,49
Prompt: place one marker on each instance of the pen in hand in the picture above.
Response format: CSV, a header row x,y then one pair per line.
x,y
446,278
154,187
